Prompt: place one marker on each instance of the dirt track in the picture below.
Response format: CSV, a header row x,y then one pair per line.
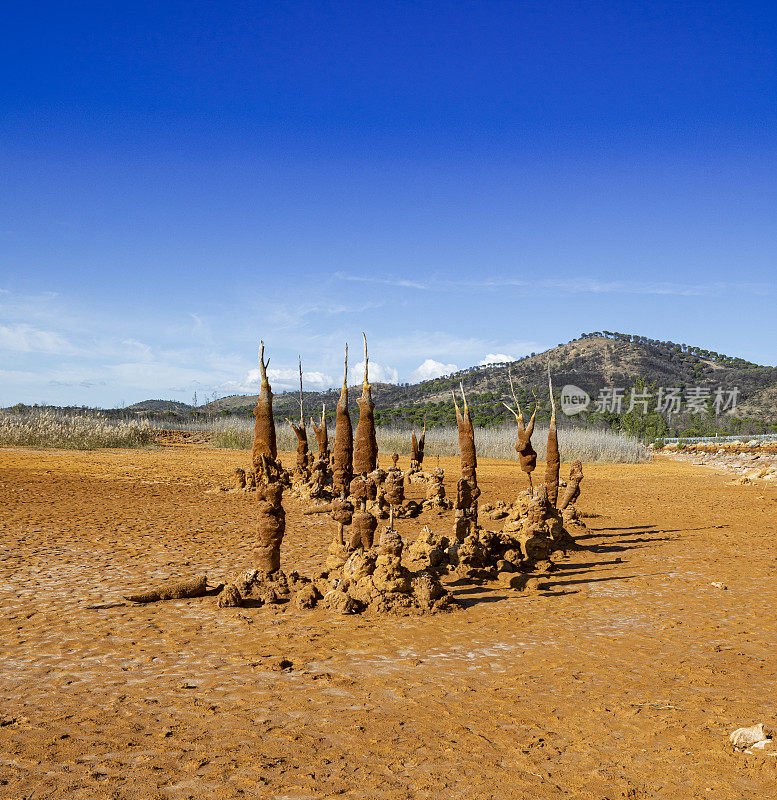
x,y
623,681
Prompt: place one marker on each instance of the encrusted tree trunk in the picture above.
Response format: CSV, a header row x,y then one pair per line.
x,y
527,456
535,537
363,527
302,446
342,514
467,489
552,460
394,491
301,432
271,525
365,449
417,449
175,590
264,425
342,462
469,461
573,485
322,435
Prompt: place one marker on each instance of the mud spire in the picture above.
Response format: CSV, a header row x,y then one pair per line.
x,y
264,424
343,448
552,460
365,456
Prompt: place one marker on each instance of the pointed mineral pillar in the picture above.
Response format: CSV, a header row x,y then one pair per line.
x,y
526,453
469,461
342,462
365,455
552,460
300,431
322,435
264,425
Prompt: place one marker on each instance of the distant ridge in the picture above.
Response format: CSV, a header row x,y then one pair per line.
x,y
592,361
160,405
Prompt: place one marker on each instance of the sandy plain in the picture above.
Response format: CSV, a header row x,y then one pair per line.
x,y
623,680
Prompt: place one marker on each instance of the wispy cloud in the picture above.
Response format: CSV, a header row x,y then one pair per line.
x,y
23,338
571,285
594,286
82,384
401,283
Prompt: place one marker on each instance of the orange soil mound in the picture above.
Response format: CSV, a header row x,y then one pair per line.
x,y
623,680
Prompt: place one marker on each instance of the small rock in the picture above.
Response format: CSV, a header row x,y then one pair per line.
x,y
718,585
513,580
535,584
339,602
230,597
426,588
267,595
306,597
281,664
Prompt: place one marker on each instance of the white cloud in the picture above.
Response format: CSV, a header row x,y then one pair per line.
x,y
379,373
495,358
281,379
431,369
24,338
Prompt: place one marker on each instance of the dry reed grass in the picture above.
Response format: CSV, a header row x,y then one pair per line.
x,y
48,428
586,444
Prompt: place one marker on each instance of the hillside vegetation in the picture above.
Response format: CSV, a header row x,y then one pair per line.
x,y
592,362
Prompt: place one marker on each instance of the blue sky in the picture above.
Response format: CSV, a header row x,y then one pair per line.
x,y
460,180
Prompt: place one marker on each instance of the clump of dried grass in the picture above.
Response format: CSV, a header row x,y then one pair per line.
x,y
586,444
49,428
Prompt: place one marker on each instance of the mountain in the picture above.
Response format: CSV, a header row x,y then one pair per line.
x,y
591,362
156,406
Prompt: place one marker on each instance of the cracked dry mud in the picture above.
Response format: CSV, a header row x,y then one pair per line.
x,y
622,681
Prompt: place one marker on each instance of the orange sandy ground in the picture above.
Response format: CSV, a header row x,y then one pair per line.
x,y
623,680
